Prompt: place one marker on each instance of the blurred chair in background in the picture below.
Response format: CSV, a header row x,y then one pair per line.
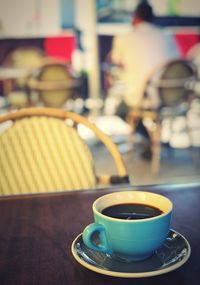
x,y
25,57
54,84
41,151
168,86
19,63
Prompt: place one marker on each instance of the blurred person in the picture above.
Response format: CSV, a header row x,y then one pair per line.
x,y
138,53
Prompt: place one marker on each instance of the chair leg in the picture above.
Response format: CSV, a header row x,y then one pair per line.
x,y
132,121
195,151
7,87
155,135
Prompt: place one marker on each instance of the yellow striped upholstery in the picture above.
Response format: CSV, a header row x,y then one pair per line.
x,y
40,154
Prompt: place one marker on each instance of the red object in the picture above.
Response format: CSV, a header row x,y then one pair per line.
x,y
60,47
186,41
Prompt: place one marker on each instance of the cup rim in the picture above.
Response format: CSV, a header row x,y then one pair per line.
x,y
95,211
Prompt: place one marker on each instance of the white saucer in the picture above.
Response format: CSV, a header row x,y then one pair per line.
x,y
172,254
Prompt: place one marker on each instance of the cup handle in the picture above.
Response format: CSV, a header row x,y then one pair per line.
x,y
98,229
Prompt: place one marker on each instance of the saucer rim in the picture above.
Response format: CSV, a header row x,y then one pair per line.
x,y
131,274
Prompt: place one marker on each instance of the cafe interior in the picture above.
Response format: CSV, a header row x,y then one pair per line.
x,y
63,143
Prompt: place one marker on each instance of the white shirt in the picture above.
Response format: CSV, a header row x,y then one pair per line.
x,y
140,51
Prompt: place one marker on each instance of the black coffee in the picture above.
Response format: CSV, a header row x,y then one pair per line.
x,y
131,211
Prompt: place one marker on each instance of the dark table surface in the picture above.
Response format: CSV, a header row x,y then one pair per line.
x,y
36,233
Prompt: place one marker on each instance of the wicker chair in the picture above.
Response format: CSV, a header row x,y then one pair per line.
x,y
170,85
41,151
27,57
54,84
23,60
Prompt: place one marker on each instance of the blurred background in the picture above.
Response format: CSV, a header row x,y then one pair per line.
x,y
78,35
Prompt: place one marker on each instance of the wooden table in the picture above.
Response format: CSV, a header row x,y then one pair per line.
x,y
36,233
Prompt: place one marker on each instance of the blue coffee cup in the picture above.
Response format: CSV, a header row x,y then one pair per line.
x,y
130,240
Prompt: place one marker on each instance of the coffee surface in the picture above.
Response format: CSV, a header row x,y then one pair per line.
x,y
131,211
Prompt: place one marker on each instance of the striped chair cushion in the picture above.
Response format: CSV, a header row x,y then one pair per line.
x,y
41,154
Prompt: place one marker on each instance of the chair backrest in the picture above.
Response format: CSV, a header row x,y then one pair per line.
x,y
171,81
42,152
25,56
28,57
54,83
